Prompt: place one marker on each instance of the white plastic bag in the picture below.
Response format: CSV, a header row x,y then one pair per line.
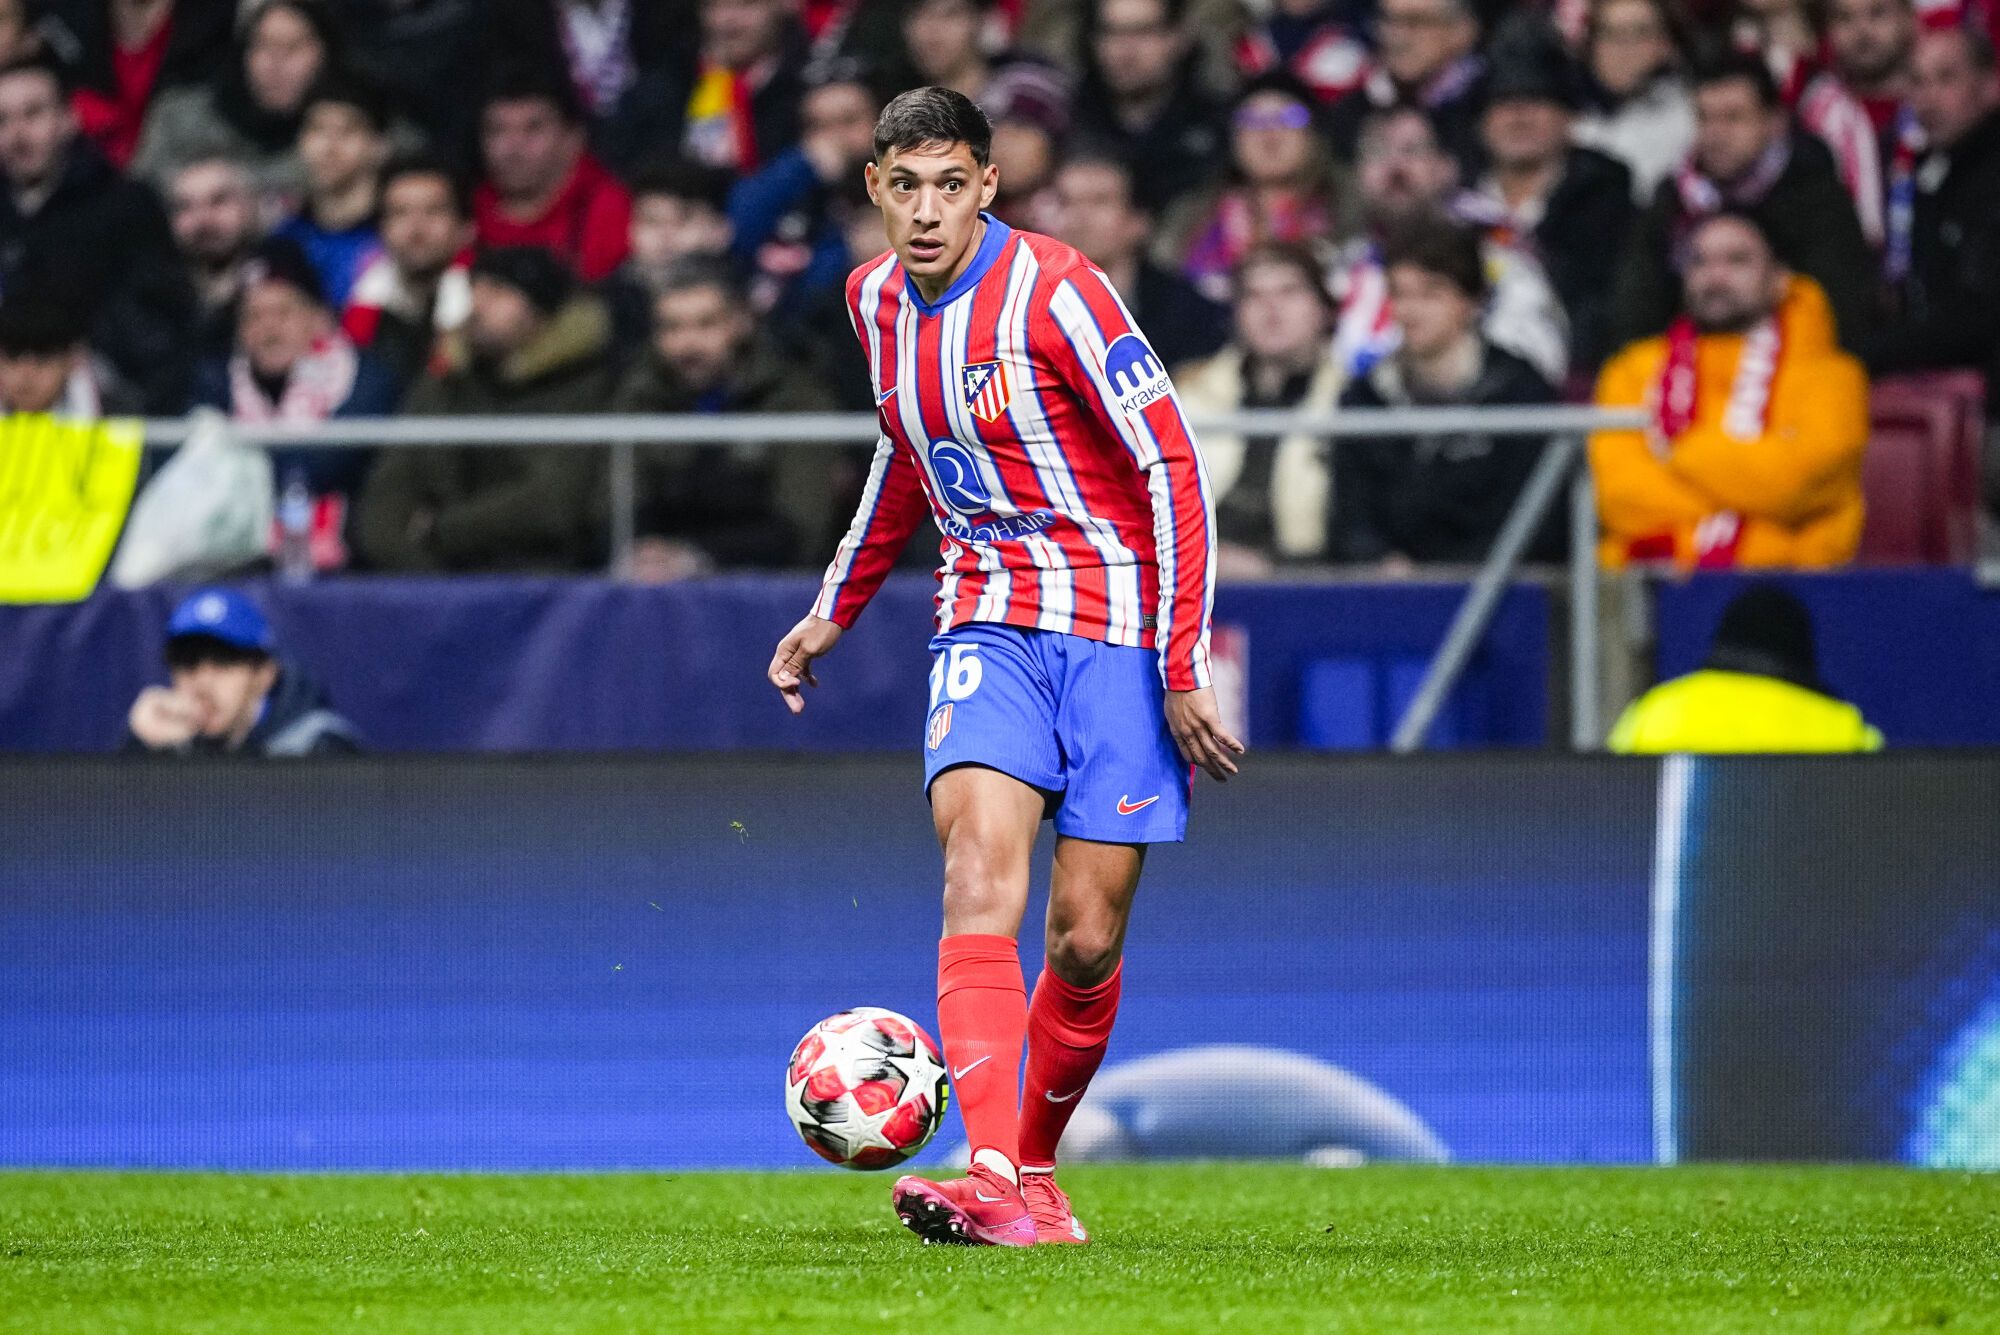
x,y
207,511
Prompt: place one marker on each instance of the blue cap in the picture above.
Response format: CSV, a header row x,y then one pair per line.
x,y
222,614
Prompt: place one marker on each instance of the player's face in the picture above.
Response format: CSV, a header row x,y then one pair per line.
x,y
930,197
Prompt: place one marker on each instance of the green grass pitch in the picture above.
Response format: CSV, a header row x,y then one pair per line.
x,y
1197,1247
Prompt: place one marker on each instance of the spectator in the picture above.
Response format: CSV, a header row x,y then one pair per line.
x,y
1947,304
419,288
1406,177
1025,152
253,112
1746,157
1283,186
1754,454
946,42
1571,205
1860,107
293,365
124,53
1426,55
1759,692
1094,207
1141,100
543,187
212,203
1271,493
232,694
1309,40
824,333
679,208
21,33
532,344
76,231
1637,104
615,55
343,142
741,105
46,368
1404,500
706,506
422,53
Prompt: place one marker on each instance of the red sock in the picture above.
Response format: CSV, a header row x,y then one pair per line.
x,y
1068,1030
983,1017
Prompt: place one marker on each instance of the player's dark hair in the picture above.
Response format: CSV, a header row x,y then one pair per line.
x,y
698,271
425,163
1442,247
1740,67
684,179
933,116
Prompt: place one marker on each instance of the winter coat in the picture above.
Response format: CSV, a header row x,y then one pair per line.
x,y
589,223
1301,469
298,720
101,243
1796,488
1437,498
512,508
1650,132
188,124
1579,239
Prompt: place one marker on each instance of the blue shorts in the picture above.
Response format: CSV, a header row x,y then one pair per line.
x,y
1084,722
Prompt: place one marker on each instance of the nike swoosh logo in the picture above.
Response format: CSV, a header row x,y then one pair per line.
x,y
990,1200
883,397
961,1074
1050,1095
1127,807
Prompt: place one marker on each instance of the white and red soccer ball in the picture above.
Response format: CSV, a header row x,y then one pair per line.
x,y
866,1088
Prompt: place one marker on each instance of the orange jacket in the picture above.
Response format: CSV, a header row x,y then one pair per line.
x,y
1797,488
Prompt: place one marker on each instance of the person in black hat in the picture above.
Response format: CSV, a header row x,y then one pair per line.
x,y
232,694
533,342
1759,691
1572,204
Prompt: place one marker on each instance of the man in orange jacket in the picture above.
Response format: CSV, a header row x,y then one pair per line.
x,y
1753,456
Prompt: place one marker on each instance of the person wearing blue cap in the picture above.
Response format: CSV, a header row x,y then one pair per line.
x,y
232,694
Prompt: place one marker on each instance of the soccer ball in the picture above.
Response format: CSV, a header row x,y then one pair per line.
x,y
866,1088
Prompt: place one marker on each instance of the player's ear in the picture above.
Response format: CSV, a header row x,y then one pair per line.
x,y
989,185
872,175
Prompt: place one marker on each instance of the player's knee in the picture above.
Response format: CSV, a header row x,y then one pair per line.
x,y
979,886
1084,954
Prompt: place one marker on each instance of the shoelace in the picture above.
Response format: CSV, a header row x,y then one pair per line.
x,y
1048,1205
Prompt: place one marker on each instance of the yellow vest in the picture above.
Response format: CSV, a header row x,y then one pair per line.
x,y
1710,712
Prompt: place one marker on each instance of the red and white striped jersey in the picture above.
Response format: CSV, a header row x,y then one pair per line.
x,y
1028,409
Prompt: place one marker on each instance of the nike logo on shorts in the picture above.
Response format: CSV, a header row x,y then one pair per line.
x,y
958,1074
1050,1095
1127,807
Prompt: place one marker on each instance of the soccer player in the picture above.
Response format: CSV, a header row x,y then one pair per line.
x,y
1071,672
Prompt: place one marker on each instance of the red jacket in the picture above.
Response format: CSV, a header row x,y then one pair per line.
x,y
589,223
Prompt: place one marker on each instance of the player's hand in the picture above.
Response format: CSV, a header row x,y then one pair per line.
x,y
162,718
1196,723
791,666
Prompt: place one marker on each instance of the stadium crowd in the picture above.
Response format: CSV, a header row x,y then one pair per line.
x,y
1728,212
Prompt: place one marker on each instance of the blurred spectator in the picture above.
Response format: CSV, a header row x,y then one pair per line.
x,y
532,344
252,113
1406,177
232,694
293,365
1946,304
1747,157
1426,55
423,53
740,107
74,230
1283,186
124,53
679,208
1637,104
46,368
1759,692
22,34
419,288
543,187
700,507
1859,106
615,56
1311,41
946,43
343,142
824,332
1140,97
1093,206
1784,35
1271,493
1571,205
1759,422
1436,498
1025,152
212,203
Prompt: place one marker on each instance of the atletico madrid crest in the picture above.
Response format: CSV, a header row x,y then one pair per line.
x,y
940,725
987,392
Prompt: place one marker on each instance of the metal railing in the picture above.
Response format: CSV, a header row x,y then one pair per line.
x,y
1562,428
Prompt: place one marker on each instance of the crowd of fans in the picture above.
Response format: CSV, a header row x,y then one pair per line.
x,y
1727,212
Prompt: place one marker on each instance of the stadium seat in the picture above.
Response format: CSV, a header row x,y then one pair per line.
x,y
1921,475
